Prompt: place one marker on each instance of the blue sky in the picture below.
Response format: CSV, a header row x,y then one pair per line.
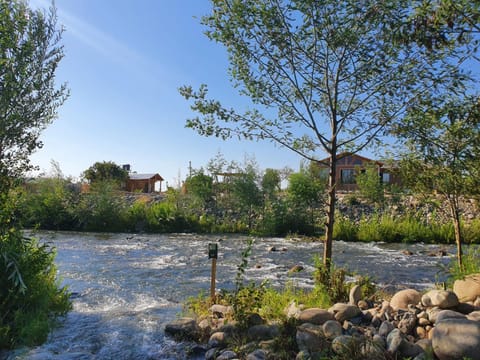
x,y
124,62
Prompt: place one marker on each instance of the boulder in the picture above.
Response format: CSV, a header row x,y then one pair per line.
x,y
456,339
467,289
403,298
425,344
315,316
332,329
344,312
227,355
465,308
433,313
407,323
448,314
474,315
218,339
394,340
310,338
385,328
295,269
211,354
444,299
343,343
184,328
257,355
263,332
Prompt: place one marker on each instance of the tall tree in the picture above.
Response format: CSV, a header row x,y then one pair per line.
x,y
323,76
29,56
444,154
29,98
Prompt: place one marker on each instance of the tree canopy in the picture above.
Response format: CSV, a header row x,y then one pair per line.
x,y
322,77
30,53
105,171
443,155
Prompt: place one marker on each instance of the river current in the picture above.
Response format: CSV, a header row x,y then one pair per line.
x,y
125,287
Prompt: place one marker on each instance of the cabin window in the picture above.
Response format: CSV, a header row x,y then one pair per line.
x,y
347,176
386,178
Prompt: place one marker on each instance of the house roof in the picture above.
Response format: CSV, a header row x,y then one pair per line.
x,y
347,154
145,176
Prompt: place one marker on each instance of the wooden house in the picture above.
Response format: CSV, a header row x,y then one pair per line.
x,y
145,183
349,165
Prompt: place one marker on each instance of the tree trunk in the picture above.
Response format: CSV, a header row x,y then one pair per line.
x,y
458,231
327,250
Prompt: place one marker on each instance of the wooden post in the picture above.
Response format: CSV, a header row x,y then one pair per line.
x,y
213,254
212,282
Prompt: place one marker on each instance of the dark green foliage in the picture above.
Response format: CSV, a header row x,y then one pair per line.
x,y
443,137
29,56
332,281
370,186
106,171
200,186
30,297
49,204
101,209
407,228
271,184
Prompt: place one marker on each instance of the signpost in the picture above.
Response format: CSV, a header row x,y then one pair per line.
x,y
213,254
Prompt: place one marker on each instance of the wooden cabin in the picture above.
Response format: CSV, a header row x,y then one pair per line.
x,y
146,183
349,165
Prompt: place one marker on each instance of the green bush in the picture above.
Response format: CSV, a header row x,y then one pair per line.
x,y
49,204
30,297
102,209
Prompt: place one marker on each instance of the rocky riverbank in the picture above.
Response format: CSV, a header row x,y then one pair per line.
x,y
438,324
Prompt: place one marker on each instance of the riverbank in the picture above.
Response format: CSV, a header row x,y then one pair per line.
x,y
437,324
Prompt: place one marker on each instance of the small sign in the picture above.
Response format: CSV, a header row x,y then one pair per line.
x,y
213,251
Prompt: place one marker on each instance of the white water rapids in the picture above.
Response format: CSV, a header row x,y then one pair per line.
x,y
127,287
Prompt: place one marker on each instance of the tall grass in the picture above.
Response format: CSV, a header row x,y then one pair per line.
x,y
407,229
470,265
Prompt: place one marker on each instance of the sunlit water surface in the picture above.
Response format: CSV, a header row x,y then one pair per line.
x,y
127,287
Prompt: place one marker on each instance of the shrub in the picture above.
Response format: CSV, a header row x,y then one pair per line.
x,y
30,295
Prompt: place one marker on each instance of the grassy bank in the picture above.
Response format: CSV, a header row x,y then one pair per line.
x,y
406,228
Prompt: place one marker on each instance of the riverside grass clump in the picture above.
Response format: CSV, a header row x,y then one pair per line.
x,y
30,296
406,229
470,265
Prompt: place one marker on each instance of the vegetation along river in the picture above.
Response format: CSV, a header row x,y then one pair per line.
x,y
127,287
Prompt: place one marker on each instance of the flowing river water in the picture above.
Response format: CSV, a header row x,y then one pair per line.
x,y
125,287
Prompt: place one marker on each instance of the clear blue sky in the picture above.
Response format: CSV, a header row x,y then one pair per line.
x,y
124,62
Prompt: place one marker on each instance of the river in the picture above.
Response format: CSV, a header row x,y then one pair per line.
x,y
127,287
